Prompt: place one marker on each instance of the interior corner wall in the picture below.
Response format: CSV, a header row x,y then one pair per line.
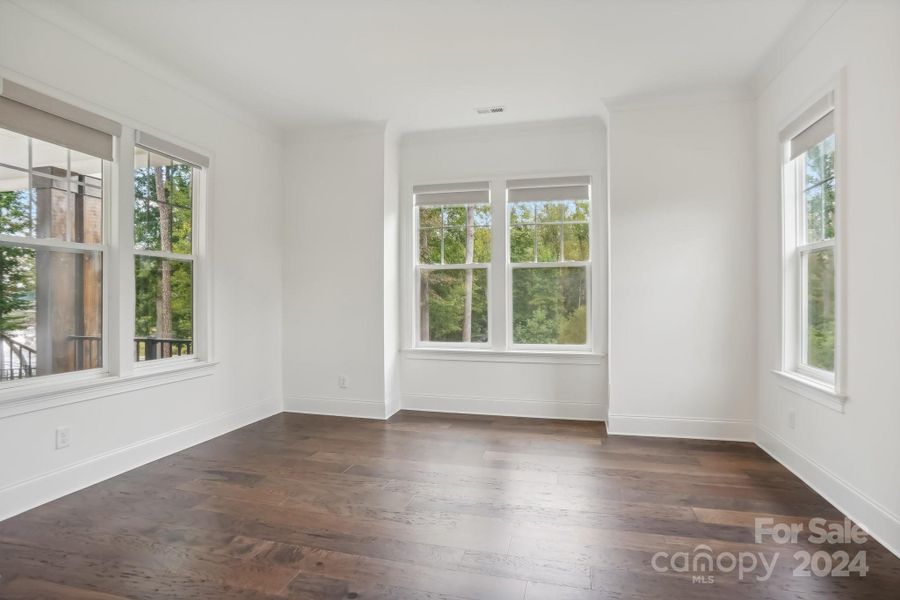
x,y
334,272
548,388
682,270
391,271
113,433
851,458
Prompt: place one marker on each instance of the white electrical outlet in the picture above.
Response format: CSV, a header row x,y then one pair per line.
x,y
342,381
62,437
792,419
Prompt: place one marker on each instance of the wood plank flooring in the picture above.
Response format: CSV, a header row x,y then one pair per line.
x,y
426,507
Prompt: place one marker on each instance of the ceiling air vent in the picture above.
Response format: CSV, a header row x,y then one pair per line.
x,y
490,110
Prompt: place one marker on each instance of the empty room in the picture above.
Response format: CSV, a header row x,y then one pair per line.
x,y
449,299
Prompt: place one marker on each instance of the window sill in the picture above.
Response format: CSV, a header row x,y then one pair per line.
x,y
817,391
44,395
505,356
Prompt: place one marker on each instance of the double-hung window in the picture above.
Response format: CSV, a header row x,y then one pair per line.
x,y
66,245
534,235
549,261
54,168
811,200
453,224
164,250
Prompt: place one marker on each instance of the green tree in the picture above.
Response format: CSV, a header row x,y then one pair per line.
x,y
16,264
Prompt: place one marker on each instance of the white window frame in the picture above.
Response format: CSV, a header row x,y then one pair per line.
x,y
819,385
120,372
103,248
419,267
198,195
512,266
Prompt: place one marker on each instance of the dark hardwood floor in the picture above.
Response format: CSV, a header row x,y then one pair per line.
x,y
436,507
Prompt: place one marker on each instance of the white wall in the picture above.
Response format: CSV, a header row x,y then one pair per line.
x,y
337,312
852,458
116,432
542,387
682,264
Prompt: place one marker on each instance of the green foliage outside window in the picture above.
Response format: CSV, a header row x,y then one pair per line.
x,y
17,283
163,220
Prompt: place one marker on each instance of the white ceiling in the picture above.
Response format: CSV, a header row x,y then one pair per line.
x,y
427,64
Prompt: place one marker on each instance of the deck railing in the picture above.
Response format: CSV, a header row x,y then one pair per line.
x,y
17,360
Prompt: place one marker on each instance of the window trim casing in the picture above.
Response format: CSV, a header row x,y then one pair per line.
x,y
817,385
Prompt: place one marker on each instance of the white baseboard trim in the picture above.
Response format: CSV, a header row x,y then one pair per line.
x,y
24,495
504,407
875,519
335,407
732,430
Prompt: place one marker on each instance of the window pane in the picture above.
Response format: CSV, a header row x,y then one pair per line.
x,y
49,158
550,305
521,212
430,217
18,210
453,305
828,203
578,210
454,216
483,215
576,241
165,227
814,204
828,157
44,198
550,211
164,308
454,245
482,250
548,237
51,312
85,165
163,216
430,246
13,149
521,243
820,309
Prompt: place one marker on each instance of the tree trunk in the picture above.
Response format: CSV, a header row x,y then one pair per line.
x,y
470,252
164,296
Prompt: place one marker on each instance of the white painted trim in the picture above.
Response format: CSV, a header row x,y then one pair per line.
x,y
876,519
25,495
505,407
335,406
505,356
733,430
812,389
43,397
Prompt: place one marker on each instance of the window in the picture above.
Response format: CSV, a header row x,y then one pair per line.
x,y
63,249
163,256
453,263
53,190
811,201
549,261
527,288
